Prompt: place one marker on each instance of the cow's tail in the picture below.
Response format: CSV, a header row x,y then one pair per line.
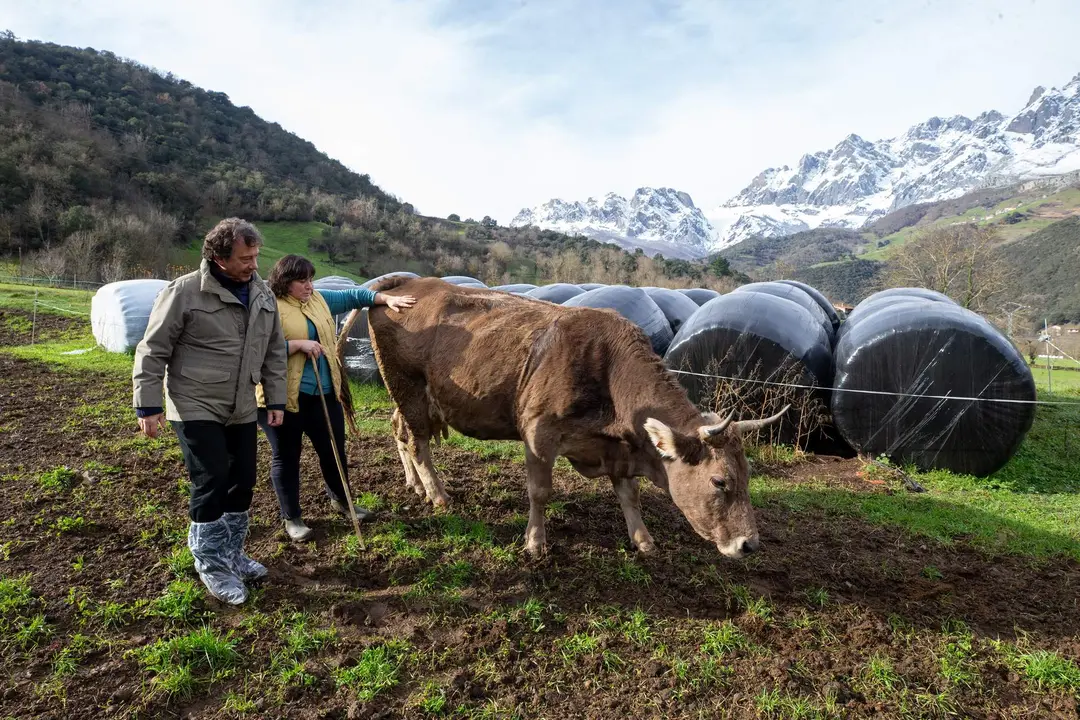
x,y
346,391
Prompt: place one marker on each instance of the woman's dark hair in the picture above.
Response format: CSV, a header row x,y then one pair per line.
x,y
287,269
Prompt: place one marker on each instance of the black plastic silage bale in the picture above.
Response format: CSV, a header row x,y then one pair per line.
x,y
927,347
888,298
557,293
699,295
463,280
360,361
797,295
677,308
516,288
635,305
820,299
745,351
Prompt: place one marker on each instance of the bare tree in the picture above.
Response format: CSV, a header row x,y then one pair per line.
x,y
39,208
113,269
81,253
77,114
960,261
50,262
784,270
362,212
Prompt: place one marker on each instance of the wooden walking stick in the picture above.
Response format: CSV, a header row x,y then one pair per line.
x,y
337,457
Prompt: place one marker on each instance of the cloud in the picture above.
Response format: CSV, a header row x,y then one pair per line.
x,y
485,107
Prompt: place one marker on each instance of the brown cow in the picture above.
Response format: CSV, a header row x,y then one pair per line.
x,y
578,382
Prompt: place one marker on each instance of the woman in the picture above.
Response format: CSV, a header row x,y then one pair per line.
x,y
307,318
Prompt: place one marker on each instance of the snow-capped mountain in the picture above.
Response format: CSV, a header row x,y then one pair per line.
x,y
657,220
854,183
858,180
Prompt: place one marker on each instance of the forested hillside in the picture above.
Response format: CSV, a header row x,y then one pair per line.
x,y
111,169
847,282
767,255
1045,269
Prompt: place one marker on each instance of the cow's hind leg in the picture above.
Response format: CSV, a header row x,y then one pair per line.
x,y
412,476
420,454
415,407
538,468
628,491
402,438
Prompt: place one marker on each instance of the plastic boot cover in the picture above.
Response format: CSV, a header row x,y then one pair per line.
x,y
209,544
245,567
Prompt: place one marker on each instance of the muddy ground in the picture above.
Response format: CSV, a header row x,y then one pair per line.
x,y
18,327
836,617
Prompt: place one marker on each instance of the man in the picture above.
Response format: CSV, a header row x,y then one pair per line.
x,y
213,335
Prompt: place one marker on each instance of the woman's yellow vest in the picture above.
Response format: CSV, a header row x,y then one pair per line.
x,y
294,316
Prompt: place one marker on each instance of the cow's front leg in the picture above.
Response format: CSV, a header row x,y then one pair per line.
x,y
539,480
627,489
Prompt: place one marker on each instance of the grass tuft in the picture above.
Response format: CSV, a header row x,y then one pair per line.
x,y
181,665
377,670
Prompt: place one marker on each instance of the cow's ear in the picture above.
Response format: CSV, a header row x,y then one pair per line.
x,y
663,439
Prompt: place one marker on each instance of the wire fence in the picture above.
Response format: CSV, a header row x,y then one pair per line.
x,y
46,282
98,323
72,283
857,391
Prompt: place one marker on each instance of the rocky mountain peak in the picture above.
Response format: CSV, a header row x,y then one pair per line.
x,y
663,220
858,180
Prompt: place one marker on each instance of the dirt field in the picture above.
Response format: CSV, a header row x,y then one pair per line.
x,y
101,614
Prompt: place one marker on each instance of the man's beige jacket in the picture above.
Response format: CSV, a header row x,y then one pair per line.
x,y
206,353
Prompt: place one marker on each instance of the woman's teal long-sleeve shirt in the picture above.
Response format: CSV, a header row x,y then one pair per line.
x,y
340,301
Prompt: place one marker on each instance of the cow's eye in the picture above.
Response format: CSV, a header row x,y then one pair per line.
x,y
720,483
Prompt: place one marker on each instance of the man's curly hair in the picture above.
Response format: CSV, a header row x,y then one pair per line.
x,y
218,243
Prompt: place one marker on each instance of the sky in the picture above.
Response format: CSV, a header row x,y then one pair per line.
x,y
483,108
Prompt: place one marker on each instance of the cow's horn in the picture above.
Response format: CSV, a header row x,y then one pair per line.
x,y
712,430
744,426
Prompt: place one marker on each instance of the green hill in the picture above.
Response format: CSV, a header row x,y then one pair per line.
x,y
1035,223
847,281
115,130
762,256
282,238
1014,214
110,169
1046,267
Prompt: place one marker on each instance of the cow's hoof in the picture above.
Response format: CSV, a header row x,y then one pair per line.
x,y
647,548
536,550
441,501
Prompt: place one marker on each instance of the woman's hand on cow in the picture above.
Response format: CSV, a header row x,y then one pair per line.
x,y
397,302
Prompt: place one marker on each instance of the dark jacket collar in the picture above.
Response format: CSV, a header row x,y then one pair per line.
x,y
226,282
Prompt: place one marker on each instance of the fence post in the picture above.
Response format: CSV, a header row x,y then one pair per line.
x,y
1049,360
33,322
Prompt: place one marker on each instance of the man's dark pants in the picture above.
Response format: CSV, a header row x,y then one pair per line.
x,y
220,460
